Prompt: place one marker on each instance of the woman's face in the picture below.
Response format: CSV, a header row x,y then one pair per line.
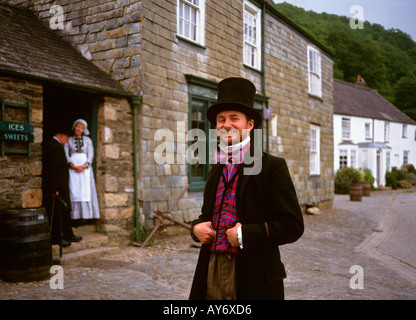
x,y
79,129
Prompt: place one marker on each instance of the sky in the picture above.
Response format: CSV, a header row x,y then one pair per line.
x,y
397,14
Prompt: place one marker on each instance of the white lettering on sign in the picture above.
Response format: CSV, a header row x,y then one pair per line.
x,y
16,127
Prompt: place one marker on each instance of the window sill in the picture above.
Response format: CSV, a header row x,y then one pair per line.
x,y
252,68
181,38
315,97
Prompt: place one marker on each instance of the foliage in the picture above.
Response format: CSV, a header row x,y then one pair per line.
x,y
391,180
367,175
398,173
404,177
344,178
139,234
386,59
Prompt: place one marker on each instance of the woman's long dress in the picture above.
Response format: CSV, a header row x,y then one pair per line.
x,y
84,202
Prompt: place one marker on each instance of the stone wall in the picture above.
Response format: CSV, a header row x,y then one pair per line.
x,y
106,32
287,86
20,175
115,172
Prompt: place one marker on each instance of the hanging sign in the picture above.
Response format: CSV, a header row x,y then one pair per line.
x,y
16,136
16,127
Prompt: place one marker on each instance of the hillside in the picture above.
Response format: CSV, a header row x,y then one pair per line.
x,y
386,59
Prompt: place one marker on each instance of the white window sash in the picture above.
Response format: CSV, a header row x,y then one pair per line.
x,y
252,36
190,19
314,145
314,72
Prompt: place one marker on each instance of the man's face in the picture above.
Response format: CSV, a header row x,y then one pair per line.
x,y
231,125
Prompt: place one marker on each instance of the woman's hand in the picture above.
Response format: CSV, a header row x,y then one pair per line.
x,y
79,168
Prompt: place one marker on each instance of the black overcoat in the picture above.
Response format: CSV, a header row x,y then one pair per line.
x,y
269,211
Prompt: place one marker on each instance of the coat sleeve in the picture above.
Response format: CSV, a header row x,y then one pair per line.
x,y
206,211
284,222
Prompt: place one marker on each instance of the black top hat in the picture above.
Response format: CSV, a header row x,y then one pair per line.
x,y
235,94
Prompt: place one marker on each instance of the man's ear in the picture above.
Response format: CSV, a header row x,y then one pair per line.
x,y
250,124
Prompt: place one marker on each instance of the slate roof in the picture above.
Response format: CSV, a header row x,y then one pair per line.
x,y
30,48
360,101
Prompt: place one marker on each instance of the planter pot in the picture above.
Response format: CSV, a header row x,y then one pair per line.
x,y
356,192
366,188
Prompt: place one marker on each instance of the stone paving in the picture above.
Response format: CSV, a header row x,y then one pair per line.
x,y
318,264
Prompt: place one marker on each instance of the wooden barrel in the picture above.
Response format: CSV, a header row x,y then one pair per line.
x,y
366,188
356,192
25,245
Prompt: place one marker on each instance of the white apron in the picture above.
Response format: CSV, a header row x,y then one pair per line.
x,y
80,182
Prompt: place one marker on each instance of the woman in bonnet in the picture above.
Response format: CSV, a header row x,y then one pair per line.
x,y
80,154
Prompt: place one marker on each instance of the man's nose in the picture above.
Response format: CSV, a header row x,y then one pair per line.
x,y
228,124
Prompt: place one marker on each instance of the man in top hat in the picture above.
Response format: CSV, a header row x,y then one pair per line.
x,y
244,217
56,197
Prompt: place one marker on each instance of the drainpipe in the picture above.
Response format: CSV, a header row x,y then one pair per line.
x,y
263,68
263,71
135,103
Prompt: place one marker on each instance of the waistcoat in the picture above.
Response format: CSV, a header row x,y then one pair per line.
x,y
225,210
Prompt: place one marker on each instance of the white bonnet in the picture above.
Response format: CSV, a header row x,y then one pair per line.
x,y
86,131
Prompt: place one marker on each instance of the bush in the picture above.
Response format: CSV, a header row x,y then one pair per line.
x,y
344,177
411,177
409,168
404,184
398,174
391,180
368,176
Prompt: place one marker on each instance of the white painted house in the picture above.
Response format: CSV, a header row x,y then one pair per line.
x,y
370,132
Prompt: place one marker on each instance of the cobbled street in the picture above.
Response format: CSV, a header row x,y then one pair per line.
x,y
372,234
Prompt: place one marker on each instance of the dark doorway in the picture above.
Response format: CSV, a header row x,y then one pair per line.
x,y
62,106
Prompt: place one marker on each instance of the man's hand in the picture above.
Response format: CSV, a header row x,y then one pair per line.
x,y
203,232
232,235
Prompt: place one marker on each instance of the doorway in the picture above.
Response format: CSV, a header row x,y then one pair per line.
x,y
61,107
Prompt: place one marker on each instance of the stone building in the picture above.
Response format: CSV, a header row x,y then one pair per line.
x,y
168,56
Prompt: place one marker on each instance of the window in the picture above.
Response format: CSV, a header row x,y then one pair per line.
x,y
367,130
252,36
404,131
343,158
405,157
386,131
191,20
315,160
388,164
346,129
314,72
353,158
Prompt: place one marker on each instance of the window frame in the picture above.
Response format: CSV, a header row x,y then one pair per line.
x,y
314,150
199,21
404,131
255,12
386,131
346,136
314,74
